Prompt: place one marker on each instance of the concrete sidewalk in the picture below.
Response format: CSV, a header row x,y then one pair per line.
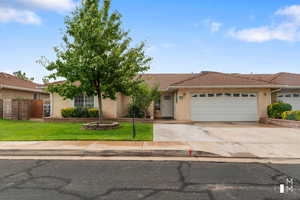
x,y
163,149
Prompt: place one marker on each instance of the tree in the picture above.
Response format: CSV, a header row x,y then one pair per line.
x,y
22,75
143,96
96,53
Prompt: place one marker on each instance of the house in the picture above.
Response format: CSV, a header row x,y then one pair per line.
x,y
205,96
13,89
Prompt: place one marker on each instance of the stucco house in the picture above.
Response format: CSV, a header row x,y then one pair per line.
x,y
205,96
12,87
21,99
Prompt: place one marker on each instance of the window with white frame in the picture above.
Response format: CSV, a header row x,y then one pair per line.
x,y
84,101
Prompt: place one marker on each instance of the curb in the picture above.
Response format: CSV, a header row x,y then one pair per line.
x,y
107,153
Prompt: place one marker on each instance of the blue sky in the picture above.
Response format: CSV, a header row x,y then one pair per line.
x,y
182,36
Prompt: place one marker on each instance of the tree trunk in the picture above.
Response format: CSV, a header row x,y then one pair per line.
x,y
145,114
100,108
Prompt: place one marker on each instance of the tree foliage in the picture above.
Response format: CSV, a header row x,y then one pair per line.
x,y
22,75
144,95
96,53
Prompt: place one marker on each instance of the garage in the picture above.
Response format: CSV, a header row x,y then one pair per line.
x,y
224,107
291,98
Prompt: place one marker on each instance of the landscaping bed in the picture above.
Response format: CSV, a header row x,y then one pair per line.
x,y
45,131
283,122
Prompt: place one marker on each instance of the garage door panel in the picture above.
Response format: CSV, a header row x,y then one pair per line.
x,y
291,98
224,108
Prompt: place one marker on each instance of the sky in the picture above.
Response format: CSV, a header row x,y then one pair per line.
x,y
233,36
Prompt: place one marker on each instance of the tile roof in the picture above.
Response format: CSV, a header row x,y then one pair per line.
x,y
165,80
13,81
222,79
285,78
215,79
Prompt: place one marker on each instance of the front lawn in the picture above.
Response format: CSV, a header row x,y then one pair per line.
x,y
39,131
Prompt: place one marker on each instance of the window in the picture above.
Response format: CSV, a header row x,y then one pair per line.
x,y
236,95
157,105
288,95
244,95
202,95
84,101
252,95
280,95
35,96
228,94
296,95
194,95
210,95
219,95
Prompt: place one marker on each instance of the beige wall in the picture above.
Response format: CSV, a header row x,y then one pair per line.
x,y
111,108
19,94
58,103
182,102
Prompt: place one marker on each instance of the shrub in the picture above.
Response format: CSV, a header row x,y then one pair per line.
x,y
135,109
275,110
291,115
79,112
93,112
67,112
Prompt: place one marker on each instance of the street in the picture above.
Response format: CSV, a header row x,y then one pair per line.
x,y
148,180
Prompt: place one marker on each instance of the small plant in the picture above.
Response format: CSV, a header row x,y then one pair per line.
x,y
291,115
93,112
80,112
135,111
67,112
275,110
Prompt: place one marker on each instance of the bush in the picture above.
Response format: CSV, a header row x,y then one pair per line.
x,y
79,112
67,112
135,109
275,110
93,112
291,115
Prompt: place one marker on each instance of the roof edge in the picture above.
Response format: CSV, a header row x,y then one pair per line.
x,y
225,74
23,89
233,86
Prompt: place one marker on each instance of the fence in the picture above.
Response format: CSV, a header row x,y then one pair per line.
x,y
1,109
16,109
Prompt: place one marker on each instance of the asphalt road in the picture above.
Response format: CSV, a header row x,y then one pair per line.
x,y
148,180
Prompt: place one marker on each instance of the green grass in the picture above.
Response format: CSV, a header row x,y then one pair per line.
x,y
39,131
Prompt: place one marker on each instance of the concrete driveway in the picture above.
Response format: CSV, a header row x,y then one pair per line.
x,y
226,132
234,139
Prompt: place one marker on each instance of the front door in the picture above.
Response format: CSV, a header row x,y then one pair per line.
x,y
167,106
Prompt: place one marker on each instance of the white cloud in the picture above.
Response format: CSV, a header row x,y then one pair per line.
x,y
55,5
213,26
287,29
19,16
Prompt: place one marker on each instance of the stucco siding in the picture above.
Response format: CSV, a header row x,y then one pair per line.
x,y
58,103
18,94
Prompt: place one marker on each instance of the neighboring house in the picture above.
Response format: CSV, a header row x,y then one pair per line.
x,y
17,98
12,87
205,96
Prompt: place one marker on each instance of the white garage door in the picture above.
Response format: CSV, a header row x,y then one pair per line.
x,y
224,107
291,98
